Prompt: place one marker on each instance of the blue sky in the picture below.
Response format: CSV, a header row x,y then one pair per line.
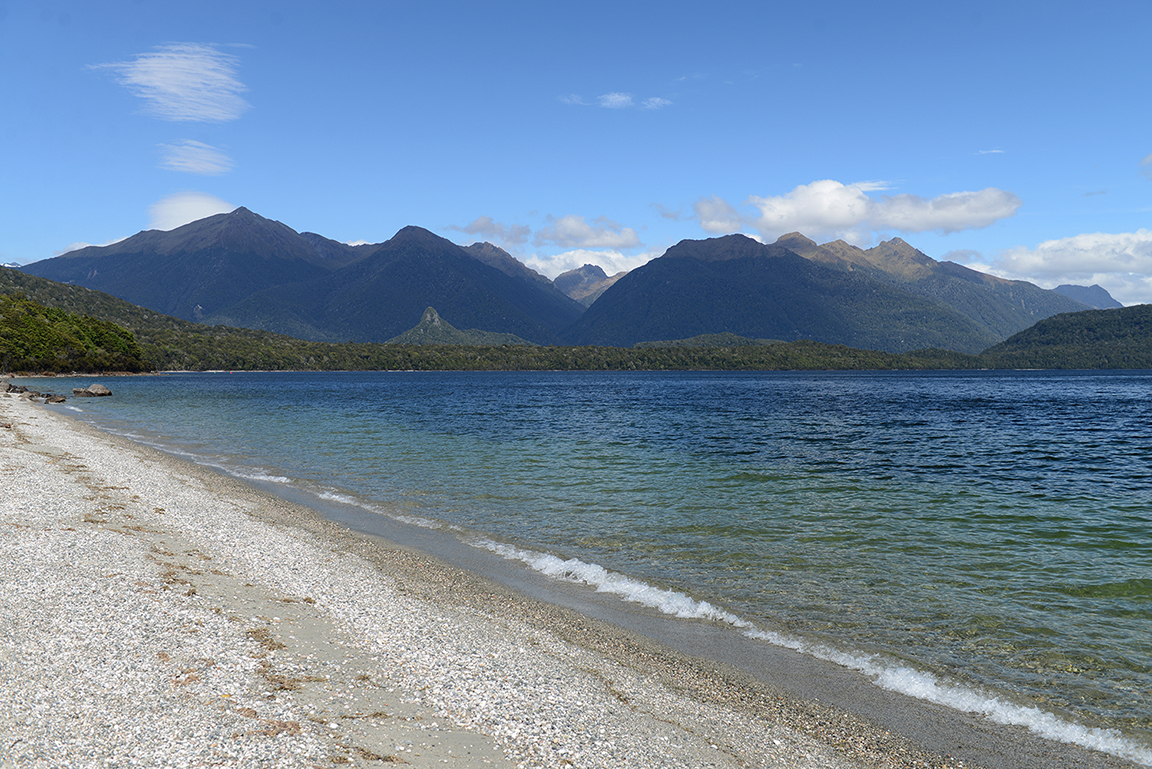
x,y
1014,137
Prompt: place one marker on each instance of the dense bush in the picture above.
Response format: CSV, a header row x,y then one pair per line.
x,y
38,338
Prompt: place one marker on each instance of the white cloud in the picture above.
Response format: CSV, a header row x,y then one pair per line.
x,y
81,244
195,158
1146,166
184,82
1119,262
655,103
717,215
823,206
611,261
184,207
615,100
488,228
574,232
952,212
571,98
1083,255
828,209
989,152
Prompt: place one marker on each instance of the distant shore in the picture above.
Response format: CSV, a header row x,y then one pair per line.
x,y
161,613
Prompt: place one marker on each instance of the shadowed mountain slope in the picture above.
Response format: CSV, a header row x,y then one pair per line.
x,y
586,284
385,294
736,285
1094,296
192,271
1001,307
243,270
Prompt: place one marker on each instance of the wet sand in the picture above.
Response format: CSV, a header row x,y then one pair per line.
x,y
156,612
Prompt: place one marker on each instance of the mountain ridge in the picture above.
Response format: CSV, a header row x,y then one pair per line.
x,y
738,285
241,269
385,294
1116,338
1000,306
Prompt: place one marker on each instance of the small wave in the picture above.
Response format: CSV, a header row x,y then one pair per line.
x,y
255,475
416,520
344,499
885,673
249,474
925,686
574,570
347,499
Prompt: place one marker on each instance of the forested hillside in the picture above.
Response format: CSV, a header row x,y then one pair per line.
x,y
1094,339
1119,338
38,338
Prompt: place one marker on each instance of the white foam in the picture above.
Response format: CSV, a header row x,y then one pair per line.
x,y
255,475
416,520
346,499
891,675
574,570
884,672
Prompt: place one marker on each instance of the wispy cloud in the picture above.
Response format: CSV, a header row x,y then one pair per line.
x,y
828,208
489,228
615,100
184,207
1146,166
718,216
79,245
666,213
574,232
184,82
569,231
990,152
195,158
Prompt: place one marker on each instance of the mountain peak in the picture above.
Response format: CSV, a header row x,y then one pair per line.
x,y
586,284
719,249
412,233
794,240
1093,296
897,256
430,318
494,256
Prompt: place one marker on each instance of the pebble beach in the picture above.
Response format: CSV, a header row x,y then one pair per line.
x,y
157,613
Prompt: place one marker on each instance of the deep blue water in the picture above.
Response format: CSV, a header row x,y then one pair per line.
x,y
956,535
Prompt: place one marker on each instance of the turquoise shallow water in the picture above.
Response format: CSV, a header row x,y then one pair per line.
x,y
979,538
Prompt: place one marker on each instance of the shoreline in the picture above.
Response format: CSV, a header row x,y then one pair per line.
x,y
371,651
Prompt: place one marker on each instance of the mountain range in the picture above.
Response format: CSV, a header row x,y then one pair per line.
x,y
240,269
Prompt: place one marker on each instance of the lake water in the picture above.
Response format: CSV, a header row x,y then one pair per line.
x,y
981,539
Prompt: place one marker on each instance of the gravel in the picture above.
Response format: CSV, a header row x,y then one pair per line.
x,y
155,613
